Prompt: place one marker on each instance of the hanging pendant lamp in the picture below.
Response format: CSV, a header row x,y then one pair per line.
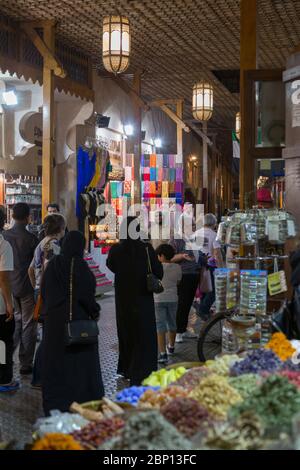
x,y
116,43
202,107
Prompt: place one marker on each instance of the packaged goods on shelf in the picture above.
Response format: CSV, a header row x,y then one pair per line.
x,y
253,293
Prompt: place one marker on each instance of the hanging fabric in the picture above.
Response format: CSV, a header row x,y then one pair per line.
x,y
86,168
159,160
165,189
172,161
152,174
179,175
153,161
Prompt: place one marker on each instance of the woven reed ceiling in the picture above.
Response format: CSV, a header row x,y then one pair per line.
x,y
175,42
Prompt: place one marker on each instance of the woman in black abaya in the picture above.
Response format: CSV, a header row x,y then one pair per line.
x,y
134,304
68,373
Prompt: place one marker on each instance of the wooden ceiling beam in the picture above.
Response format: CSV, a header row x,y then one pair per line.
x,y
52,62
166,102
174,117
201,134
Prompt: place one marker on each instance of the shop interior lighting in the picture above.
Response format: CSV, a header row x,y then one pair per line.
x,y
157,143
128,129
10,98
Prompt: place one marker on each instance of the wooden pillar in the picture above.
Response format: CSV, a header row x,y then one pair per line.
x,y
137,137
48,122
205,166
179,112
248,61
214,178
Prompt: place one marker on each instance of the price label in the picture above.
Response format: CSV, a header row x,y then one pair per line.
x,y
277,283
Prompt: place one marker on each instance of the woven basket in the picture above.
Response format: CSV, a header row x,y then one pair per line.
x,y
186,365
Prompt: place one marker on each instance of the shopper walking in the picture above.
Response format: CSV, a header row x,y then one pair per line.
x,y
52,208
166,303
23,245
50,246
187,258
7,322
69,373
135,310
205,239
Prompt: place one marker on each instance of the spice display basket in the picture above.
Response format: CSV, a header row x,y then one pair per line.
x,y
186,365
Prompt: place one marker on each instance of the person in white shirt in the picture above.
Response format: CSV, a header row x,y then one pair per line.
x,y
205,239
7,322
166,302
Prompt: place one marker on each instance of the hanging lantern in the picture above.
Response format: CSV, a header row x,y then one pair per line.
x,y
116,43
203,94
238,125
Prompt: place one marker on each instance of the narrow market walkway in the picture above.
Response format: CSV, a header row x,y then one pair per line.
x,y
20,410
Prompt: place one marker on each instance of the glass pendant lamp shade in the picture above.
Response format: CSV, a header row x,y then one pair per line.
x,y
116,43
203,95
238,125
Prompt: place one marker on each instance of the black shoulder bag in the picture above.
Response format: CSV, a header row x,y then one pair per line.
x,y
79,332
154,285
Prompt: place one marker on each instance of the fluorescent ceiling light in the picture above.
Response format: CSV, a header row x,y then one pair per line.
x,y
10,98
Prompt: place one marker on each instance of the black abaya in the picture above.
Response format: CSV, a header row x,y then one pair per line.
x,y
68,373
135,308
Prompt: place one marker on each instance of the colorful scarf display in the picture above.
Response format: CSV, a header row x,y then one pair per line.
x,y
162,178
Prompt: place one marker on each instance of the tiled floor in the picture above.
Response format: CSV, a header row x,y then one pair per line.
x,y
20,410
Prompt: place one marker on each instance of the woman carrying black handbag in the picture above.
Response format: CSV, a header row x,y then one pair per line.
x,y
70,366
137,274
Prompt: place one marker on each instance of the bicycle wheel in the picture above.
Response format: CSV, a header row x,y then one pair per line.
x,y
210,339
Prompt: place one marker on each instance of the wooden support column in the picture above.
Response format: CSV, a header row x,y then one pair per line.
x,y
179,112
136,97
248,61
205,166
48,122
214,178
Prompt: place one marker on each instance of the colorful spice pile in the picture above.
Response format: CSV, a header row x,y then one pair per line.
x,y
186,415
281,346
275,402
148,430
291,365
243,434
56,441
256,362
152,399
132,395
163,377
96,433
216,395
245,384
193,377
292,376
222,365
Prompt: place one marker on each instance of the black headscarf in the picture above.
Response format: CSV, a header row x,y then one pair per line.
x,y
73,247
130,224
